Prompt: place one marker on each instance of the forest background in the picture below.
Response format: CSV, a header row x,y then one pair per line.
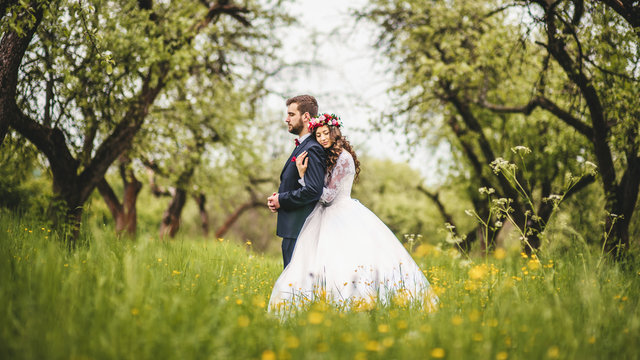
x,y
140,139
170,120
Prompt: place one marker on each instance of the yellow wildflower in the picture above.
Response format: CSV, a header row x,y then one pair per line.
x,y
268,355
478,272
373,345
437,353
533,264
315,318
243,321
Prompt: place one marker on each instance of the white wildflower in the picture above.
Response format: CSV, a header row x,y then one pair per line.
x,y
485,190
521,149
500,201
552,198
452,239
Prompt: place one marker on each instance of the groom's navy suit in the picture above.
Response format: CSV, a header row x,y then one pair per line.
x,y
297,201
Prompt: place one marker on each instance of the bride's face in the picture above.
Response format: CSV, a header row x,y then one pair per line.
x,y
323,136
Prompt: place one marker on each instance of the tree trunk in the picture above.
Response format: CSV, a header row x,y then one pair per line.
x,y
125,213
204,214
171,217
231,219
12,49
131,191
620,197
616,239
170,223
112,202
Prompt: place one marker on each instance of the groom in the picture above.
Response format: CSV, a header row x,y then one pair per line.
x,y
293,202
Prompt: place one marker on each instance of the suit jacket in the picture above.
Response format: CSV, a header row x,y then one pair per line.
x,y
297,201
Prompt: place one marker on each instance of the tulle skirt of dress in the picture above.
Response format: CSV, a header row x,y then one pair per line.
x,y
345,254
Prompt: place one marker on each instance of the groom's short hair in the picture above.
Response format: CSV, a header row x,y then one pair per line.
x,y
306,103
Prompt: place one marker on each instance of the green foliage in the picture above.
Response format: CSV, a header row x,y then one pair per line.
x,y
390,190
203,299
456,49
24,185
470,74
181,77
92,69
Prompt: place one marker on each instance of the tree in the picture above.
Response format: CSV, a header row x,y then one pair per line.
x,y
124,213
96,101
455,57
596,47
16,36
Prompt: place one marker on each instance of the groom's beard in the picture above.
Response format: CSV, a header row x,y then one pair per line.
x,y
296,129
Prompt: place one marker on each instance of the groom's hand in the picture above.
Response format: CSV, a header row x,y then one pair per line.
x,y
273,203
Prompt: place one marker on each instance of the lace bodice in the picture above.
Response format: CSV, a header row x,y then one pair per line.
x,y
338,184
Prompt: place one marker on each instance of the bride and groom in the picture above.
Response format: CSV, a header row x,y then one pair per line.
x,y
333,247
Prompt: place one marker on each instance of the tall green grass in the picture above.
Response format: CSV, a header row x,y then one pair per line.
x,y
197,299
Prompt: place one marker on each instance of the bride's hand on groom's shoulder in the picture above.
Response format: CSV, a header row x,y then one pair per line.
x,y
301,163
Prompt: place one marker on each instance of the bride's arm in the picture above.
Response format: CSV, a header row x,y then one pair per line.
x,y
339,175
314,178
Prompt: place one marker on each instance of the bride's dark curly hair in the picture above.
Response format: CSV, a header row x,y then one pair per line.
x,y
339,142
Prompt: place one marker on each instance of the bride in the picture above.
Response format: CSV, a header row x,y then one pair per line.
x,y
344,253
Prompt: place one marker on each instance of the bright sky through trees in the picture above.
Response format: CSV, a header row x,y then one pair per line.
x,y
350,80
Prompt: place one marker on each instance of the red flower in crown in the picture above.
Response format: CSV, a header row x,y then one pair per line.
x,y
325,119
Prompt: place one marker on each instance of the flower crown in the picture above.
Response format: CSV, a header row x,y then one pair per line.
x,y
325,119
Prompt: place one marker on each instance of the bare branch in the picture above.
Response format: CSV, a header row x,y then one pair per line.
x,y
435,197
544,103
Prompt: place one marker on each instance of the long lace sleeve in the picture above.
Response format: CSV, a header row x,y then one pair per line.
x,y
340,176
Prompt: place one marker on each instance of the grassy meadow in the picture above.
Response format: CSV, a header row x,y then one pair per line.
x,y
195,299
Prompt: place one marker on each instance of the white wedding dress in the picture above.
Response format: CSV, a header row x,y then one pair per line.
x,y
346,255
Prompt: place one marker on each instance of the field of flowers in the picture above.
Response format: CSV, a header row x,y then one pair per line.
x,y
197,299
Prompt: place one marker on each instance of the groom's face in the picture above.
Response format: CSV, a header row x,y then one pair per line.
x,y
295,120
